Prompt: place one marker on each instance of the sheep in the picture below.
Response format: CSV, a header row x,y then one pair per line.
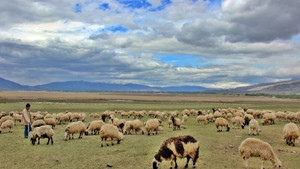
x,y
94,126
135,125
237,122
291,133
184,118
16,117
221,122
112,132
7,124
50,121
42,132
5,118
118,122
247,118
74,116
253,126
152,125
176,123
210,117
38,123
82,116
201,119
252,147
62,118
268,118
181,147
74,127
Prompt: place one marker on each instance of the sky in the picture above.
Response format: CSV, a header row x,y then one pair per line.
x,y
209,43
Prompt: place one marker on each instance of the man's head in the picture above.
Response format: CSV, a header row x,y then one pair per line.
x,y
27,106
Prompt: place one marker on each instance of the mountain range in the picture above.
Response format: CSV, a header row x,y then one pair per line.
x,y
284,87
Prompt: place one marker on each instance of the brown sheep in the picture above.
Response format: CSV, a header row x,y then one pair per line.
x,y
109,131
221,122
74,127
42,132
252,147
291,133
181,147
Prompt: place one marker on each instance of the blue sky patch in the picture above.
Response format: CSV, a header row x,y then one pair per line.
x,y
118,28
163,5
181,60
104,6
135,3
78,8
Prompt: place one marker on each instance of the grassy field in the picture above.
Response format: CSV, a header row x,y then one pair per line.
x,y
217,150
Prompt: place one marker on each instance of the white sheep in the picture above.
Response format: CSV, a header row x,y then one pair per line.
x,y
252,147
221,122
238,122
94,126
291,133
176,123
181,147
7,124
135,125
253,127
5,118
74,127
268,118
109,131
184,118
38,123
42,132
152,125
201,119
50,121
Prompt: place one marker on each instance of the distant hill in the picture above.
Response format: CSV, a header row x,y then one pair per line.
x,y
285,87
96,86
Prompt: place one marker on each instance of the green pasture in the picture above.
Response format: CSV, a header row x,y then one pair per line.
x,y
217,150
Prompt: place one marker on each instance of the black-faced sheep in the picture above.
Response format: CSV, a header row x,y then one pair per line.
x,y
42,132
152,125
38,123
176,123
94,126
109,131
181,147
252,147
221,122
118,122
253,127
74,127
247,118
291,133
7,124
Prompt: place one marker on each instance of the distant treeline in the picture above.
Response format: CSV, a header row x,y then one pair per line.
x,y
289,96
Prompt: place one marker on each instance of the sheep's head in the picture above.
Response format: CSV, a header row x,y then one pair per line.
x,y
228,129
155,164
86,132
243,126
277,164
33,140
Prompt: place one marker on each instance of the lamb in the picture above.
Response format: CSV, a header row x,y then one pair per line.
x,y
112,132
94,126
38,123
291,133
176,123
221,122
7,124
202,118
50,121
238,121
74,127
252,147
254,127
42,132
152,125
181,147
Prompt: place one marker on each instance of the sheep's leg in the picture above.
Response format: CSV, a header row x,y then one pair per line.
x,y
287,141
187,161
101,142
246,163
73,136
48,140
112,141
106,142
176,166
51,140
262,164
293,142
38,141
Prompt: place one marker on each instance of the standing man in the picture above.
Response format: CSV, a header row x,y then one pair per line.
x,y
26,120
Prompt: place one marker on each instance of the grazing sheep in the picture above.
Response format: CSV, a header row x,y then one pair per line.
x,y
135,125
118,122
291,133
268,118
5,118
16,117
252,147
42,132
94,126
63,118
253,127
247,118
181,147
238,122
184,118
210,117
82,116
50,121
176,123
221,122
112,132
201,119
7,124
74,127
152,125
74,116
38,123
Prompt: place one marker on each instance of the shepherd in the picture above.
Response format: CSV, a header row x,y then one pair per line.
x,y
26,120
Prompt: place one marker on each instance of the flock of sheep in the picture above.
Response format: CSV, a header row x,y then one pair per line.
x,y
111,128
